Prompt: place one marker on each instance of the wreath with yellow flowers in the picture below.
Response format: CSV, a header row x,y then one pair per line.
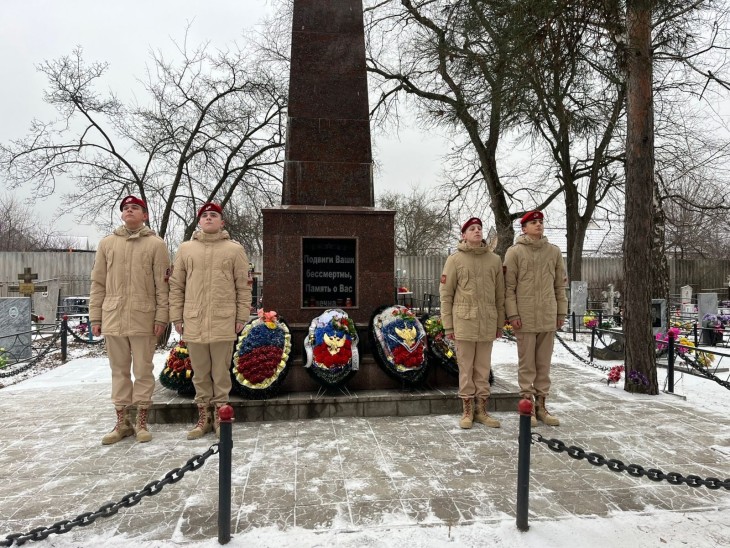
x,y
441,349
262,356
398,342
178,371
331,348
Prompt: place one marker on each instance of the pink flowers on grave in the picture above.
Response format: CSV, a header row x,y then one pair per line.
x,y
614,375
663,338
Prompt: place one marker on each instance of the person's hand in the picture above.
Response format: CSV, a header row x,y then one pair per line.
x,y
450,336
96,330
239,327
499,333
179,327
516,323
560,322
159,329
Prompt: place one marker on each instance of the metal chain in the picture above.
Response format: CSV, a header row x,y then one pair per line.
x,y
79,338
654,474
41,354
585,361
702,371
111,508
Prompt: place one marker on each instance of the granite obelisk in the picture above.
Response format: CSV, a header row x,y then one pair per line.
x,y
326,246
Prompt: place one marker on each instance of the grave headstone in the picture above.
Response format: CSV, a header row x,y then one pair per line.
x,y
45,303
658,315
706,304
685,295
15,327
578,298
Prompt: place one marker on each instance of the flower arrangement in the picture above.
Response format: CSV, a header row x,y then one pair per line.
x,y
82,328
638,378
3,358
178,371
331,347
614,375
441,348
590,321
399,340
261,357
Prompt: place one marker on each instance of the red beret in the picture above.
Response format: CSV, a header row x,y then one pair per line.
x,y
133,200
472,221
531,216
210,206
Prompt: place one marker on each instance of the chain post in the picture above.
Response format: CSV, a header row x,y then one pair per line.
x,y
225,413
572,321
593,342
523,464
64,338
694,329
670,364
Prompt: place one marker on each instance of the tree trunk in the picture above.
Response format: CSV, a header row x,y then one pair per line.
x,y
638,239
660,266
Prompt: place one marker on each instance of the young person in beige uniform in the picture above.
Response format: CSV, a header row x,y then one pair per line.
x,y
128,305
472,313
536,307
210,301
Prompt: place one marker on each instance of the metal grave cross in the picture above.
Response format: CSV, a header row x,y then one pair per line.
x,y
28,287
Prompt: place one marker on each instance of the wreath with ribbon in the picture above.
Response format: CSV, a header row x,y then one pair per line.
x,y
262,356
398,342
441,349
331,348
178,372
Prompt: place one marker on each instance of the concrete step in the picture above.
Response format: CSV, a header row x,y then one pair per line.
x,y
171,408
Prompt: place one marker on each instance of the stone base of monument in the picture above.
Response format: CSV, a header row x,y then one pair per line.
x,y
351,401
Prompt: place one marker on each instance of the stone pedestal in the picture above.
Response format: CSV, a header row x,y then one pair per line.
x,y
285,230
15,328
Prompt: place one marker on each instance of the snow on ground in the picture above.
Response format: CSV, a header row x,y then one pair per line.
x,y
623,529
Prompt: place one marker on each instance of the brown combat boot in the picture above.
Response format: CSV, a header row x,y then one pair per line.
x,y
203,425
122,429
140,426
481,416
467,419
544,415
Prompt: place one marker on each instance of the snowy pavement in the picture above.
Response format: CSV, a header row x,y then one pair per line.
x,y
416,481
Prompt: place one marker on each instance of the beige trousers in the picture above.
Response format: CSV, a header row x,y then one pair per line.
x,y
212,371
127,356
534,352
475,361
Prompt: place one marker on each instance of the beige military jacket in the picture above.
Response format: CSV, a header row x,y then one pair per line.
x,y
472,294
209,288
129,291
535,284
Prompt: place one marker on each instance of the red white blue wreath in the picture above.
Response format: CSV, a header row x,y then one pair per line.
x,y
262,356
331,347
399,343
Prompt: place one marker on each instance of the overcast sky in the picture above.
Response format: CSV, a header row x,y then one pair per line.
x,y
122,34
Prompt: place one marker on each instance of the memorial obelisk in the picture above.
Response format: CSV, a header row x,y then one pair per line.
x,y
326,246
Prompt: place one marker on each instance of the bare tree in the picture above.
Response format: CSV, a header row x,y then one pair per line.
x,y
20,229
420,226
210,124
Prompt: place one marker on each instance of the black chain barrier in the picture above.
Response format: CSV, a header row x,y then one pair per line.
x,y
581,358
111,508
42,353
615,465
702,371
81,339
